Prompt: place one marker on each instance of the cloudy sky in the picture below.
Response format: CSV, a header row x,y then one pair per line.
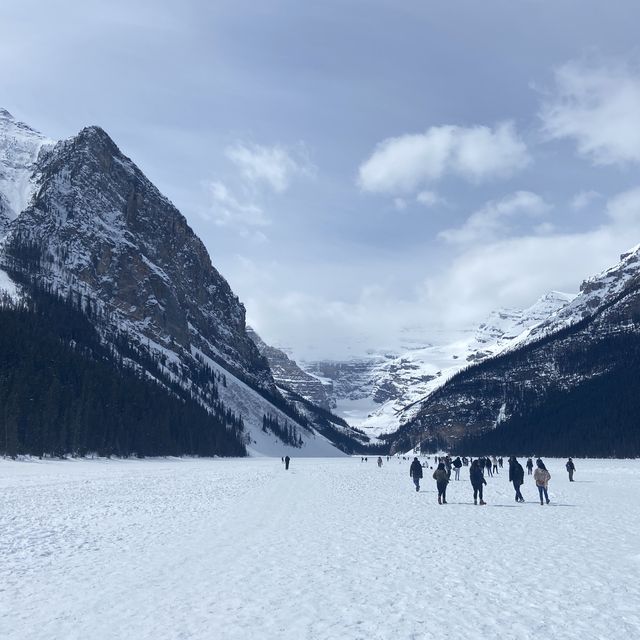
x,y
359,171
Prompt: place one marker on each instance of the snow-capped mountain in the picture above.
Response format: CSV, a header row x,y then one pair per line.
x,y
81,219
574,371
19,149
380,393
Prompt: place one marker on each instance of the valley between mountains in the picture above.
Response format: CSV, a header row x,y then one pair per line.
x,y
102,278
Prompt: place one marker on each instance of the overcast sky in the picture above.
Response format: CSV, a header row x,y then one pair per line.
x,y
359,168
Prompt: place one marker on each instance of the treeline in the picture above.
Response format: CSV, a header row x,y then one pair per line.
x,y
598,418
64,392
287,432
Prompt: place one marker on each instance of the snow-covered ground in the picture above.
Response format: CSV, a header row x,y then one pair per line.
x,y
333,548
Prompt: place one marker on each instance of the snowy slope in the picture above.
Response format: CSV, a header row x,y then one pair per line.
x,y
19,149
7,285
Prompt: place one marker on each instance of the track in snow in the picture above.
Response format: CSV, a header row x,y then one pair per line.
x,y
232,549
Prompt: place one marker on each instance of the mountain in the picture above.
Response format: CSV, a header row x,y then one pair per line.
x,y
83,222
288,375
380,393
566,386
309,396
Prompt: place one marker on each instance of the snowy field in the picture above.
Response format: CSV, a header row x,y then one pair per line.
x,y
333,548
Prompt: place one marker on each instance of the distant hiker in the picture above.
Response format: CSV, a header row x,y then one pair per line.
x,y
494,464
477,481
287,460
441,477
570,468
542,477
500,462
516,475
415,472
465,461
379,461
457,463
529,466
487,464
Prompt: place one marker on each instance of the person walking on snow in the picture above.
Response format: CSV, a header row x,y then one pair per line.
x,y
477,481
379,461
287,460
494,462
541,477
487,464
441,477
457,463
529,466
570,468
516,475
415,472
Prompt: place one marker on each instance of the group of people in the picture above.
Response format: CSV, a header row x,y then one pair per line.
x,y
490,465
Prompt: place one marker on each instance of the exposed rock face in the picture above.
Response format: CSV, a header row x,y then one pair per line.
x,y
581,342
288,375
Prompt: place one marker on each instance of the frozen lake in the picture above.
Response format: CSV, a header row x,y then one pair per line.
x,y
333,548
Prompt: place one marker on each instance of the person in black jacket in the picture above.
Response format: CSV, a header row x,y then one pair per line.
x,y
529,466
516,475
457,463
441,476
415,472
287,460
570,468
487,466
477,481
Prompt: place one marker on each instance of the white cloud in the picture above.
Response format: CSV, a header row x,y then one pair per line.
x,y
476,154
258,169
227,210
598,107
273,166
428,198
495,219
583,199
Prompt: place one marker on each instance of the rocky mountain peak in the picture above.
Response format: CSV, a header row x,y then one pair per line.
x,y
101,227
